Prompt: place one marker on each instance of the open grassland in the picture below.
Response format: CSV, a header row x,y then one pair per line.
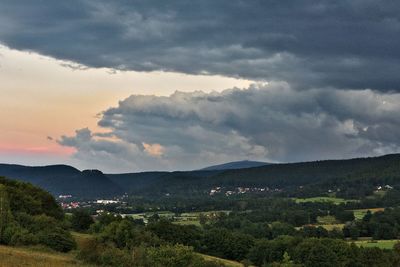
x,y
333,200
81,238
39,256
30,257
188,222
329,219
360,213
227,263
328,222
187,218
382,244
193,218
330,227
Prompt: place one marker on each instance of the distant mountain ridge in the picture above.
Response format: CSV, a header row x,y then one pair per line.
x,y
63,179
243,164
350,173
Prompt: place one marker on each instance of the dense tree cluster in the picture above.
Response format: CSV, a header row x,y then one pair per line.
x,y
262,229
29,215
353,178
380,225
125,242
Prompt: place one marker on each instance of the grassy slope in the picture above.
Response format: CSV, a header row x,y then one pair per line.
x,y
31,257
228,263
360,213
16,257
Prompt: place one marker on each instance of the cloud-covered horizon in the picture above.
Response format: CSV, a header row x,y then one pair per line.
x,y
309,44
270,122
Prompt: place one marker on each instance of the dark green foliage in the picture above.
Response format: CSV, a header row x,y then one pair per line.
x,y
344,216
313,252
189,235
267,251
6,217
380,225
24,197
355,178
375,257
312,231
57,239
18,236
126,234
122,242
351,230
81,220
63,179
226,244
97,252
33,217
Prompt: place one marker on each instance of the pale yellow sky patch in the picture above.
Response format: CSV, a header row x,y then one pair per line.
x,y
155,150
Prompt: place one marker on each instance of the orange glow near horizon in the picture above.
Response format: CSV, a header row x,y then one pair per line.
x,y
56,150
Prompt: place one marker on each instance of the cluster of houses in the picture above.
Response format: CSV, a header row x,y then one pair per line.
x,y
68,202
107,201
384,187
241,190
70,205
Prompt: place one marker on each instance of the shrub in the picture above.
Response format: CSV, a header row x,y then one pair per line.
x,y
57,239
93,251
22,237
81,220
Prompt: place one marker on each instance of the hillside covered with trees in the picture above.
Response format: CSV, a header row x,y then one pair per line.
x,y
353,177
31,216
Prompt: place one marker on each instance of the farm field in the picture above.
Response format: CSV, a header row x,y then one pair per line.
x,y
334,200
329,223
360,213
329,219
330,227
382,244
187,218
188,222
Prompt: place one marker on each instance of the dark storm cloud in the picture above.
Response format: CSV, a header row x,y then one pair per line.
x,y
341,44
267,122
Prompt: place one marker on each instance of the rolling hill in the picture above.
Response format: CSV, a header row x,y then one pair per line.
x,y
236,165
63,179
351,173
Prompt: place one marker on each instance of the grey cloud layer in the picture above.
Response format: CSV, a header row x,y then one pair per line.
x,y
342,44
273,122
333,66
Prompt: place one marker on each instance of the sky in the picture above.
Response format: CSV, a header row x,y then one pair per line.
x,y
125,86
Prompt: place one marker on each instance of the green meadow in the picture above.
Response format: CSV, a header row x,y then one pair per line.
x,y
333,200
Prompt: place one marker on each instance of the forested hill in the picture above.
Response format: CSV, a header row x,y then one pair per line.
x,y
63,179
31,216
236,165
282,175
354,174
